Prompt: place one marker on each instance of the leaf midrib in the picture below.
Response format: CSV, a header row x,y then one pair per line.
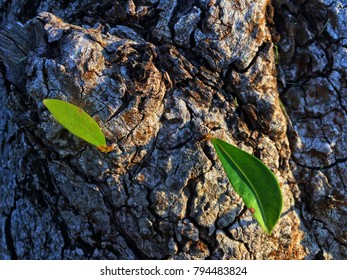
x,y
91,134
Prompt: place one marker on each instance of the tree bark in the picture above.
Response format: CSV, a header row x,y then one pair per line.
x,y
159,75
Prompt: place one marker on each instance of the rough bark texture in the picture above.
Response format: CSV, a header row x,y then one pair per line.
x,y
158,75
312,75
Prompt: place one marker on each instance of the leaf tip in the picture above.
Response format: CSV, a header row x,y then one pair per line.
x,y
45,101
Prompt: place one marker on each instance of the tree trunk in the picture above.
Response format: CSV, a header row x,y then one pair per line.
x,y
158,75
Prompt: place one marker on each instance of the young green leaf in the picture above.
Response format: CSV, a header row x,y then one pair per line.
x,y
253,181
78,122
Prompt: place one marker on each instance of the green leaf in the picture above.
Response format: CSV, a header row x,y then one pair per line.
x,y
253,181
78,122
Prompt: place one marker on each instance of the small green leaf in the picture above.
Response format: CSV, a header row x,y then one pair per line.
x,y
253,181
78,122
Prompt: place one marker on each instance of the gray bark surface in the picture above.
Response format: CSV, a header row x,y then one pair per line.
x,y
158,75
313,87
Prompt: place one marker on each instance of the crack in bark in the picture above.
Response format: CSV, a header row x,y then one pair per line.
x,y
8,235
